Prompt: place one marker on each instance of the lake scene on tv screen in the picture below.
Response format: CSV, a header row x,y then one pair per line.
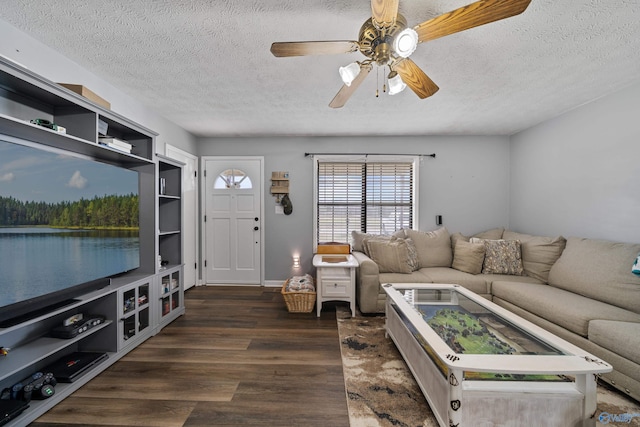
x,y
64,221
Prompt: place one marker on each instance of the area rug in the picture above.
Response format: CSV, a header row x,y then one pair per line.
x,y
381,390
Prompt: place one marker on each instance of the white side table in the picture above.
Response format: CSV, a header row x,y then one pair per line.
x,y
336,279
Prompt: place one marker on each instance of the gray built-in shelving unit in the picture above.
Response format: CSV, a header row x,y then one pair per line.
x,y
136,305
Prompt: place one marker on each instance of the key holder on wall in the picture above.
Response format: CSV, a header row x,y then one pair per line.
x,y
280,189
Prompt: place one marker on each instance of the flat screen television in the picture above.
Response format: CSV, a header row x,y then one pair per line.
x,y
67,225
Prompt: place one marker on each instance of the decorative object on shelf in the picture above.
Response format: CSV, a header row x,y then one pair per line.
x,y
49,125
115,143
90,95
279,185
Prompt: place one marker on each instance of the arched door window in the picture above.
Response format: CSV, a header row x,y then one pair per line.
x,y
233,179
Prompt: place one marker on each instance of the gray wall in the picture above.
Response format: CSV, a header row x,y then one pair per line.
x,y
579,174
467,183
31,53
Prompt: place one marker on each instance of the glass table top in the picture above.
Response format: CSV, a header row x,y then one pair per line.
x,y
469,328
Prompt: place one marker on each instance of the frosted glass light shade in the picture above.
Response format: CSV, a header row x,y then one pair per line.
x,y
396,85
405,42
349,73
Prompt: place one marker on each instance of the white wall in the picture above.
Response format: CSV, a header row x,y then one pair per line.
x,y
467,183
579,174
34,55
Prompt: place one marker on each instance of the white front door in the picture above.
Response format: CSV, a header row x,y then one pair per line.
x,y
233,220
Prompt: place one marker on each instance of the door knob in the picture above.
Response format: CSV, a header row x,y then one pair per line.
x,y
255,219
255,228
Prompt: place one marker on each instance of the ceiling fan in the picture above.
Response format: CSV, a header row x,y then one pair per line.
x,y
386,40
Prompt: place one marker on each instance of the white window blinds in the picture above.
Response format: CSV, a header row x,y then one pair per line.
x,y
370,197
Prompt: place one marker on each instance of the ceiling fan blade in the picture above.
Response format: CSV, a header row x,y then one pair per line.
x,y
345,91
384,12
469,16
282,49
415,78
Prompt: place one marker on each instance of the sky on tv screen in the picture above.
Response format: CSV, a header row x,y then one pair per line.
x,y
31,174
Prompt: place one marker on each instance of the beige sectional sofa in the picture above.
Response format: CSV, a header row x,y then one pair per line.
x,y
580,289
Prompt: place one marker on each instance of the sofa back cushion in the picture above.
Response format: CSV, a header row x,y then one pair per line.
x,y
358,237
538,253
600,270
434,247
393,255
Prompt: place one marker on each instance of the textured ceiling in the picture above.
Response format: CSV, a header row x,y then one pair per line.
x,y
206,64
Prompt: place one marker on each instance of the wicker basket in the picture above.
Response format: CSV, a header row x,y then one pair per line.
x,y
298,302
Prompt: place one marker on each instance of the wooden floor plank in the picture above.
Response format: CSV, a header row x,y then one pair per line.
x,y
236,358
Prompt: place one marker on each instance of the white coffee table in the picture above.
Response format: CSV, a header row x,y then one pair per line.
x,y
481,365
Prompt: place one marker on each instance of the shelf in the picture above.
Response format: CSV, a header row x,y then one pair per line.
x,y
40,349
62,390
19,129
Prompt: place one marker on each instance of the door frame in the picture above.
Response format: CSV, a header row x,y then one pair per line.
x,y
171,152
203,194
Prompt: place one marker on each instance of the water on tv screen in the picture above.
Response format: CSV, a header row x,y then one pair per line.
x,y
64,221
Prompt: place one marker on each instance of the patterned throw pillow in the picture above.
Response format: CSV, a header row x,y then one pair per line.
x,y
501,257
413,254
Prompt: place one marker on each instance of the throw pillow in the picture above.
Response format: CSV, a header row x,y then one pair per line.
x,y
357,238
370,238
413,254
468,257
538,253
391,255
434,247
501,257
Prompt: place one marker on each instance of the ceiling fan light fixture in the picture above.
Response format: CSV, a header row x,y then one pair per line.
x,y
405,42
396,85
349,72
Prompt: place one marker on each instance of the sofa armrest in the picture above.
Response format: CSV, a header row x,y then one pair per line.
x,y
367,283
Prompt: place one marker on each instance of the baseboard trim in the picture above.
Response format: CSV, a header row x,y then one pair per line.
x,y
273,283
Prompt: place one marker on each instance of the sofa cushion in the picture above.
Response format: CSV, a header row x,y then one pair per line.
x,y
539,253
501,256
358,238
434,247
566,309
493,234
473,282
468,257
414,277
599,269
622,338
490,278
391,255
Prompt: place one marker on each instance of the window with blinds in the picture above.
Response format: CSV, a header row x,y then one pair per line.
x,y
370,197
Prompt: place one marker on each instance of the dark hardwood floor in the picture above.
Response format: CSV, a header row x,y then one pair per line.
x,y
236,358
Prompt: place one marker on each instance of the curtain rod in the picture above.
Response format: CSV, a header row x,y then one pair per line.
x,y
370,154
